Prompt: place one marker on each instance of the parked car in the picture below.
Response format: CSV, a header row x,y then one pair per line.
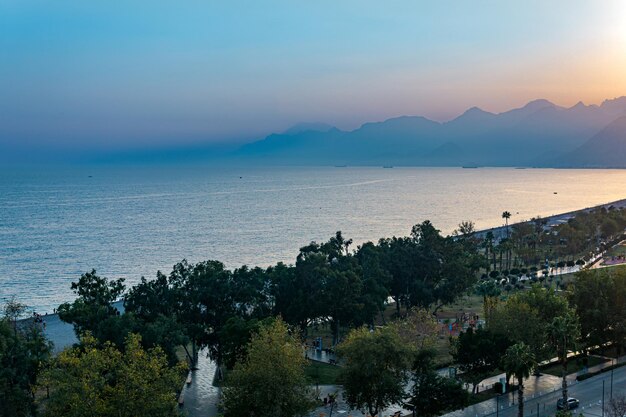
x,y
571,404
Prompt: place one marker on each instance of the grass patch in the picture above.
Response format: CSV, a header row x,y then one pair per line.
x,y
590,374
618,250
609,351
320,373
469,304
574,365
482,396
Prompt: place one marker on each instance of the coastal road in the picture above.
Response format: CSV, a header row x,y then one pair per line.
x,y
588,392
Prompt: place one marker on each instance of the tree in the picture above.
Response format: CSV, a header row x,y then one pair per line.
x,y
489,249
205,301
94,381
376,370
235,336
616,407
506,216
375,282
564,332
465,229
269,381
327,284
526,316
13,309
599,298
519,361
24,351
433,394
93,304
489,290
418,329
478,353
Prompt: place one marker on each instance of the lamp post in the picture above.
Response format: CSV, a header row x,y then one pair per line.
x,y
498,405
603,398
612,367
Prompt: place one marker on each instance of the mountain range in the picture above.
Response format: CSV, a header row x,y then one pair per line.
x,y
540,134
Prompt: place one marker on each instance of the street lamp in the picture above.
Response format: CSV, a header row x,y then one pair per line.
x,y
612,367
498,405
603,398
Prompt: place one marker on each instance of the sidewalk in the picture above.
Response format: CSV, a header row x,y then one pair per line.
x,y
341,408
534,387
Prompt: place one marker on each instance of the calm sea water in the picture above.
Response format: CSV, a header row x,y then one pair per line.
x,y
58,223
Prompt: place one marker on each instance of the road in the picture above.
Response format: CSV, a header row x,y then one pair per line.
x,y
588,392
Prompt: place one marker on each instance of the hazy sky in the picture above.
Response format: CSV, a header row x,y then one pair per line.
x,y
106,74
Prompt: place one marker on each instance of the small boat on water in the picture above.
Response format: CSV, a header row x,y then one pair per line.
x,y
387,166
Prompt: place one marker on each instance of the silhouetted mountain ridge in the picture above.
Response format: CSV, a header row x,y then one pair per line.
x,y
537,134
605,149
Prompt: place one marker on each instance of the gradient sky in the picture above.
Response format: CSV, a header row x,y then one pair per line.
x,y
131,74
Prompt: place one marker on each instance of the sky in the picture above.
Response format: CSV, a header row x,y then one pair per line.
x,y
104,75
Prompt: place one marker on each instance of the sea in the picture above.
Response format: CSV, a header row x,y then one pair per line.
x,y
58,223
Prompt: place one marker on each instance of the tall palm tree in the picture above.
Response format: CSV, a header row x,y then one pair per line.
x,y
488,245
506,216
519,361
564,333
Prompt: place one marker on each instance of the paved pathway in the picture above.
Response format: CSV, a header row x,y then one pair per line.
x,y
201,397
341,408
320,356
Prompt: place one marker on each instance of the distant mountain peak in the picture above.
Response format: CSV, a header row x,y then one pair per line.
x,y
616,105
538,104
613,101
308,126
579,105
476,110
475,114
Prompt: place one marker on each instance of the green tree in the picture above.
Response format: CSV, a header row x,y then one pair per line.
x,y
418,329
433,394
487,244
205,301
599,298
564,333
24,351
478,353
94,381
376,370
94,303
519,361
327,284
270,379
13,310
235,336
375,282
526,316
489,290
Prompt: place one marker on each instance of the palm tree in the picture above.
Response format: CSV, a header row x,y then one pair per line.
x,y
519,361
506,216
564,333
488,245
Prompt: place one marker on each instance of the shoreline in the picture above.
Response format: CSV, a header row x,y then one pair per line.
x,y
552,220
499,232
